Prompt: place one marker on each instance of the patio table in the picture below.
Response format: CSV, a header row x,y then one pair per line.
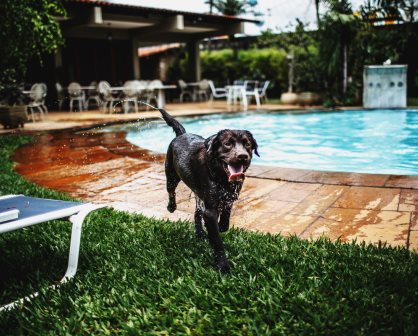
x,y
236,92
19,211
161,94
195,87
88,87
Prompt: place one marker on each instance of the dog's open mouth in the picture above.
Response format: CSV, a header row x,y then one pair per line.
x,y
235,173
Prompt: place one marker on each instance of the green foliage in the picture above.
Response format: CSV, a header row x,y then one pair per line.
x,y
336,33
233,7
413,102
264,64
10,91
141,276
303,45
28,29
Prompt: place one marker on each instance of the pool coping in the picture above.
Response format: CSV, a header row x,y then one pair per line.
x,y
303,175
333,178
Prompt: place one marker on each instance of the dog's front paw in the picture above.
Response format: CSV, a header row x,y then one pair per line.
x,y
223,227
223,266
172,206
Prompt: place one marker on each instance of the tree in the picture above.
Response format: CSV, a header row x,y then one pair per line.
x,y
337,31
389,31
28,29
389,11
234,8
301,48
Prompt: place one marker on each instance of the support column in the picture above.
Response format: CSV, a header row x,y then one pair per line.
x,y
135,59
194,61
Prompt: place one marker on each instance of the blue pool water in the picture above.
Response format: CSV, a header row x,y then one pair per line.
x,y
375,141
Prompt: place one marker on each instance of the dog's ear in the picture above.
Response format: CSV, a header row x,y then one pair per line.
x,y
213,141
210,142
254,142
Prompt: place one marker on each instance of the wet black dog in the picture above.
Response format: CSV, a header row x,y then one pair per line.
x,y
214,169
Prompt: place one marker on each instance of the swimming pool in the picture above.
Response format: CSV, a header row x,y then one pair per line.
x,y
364,141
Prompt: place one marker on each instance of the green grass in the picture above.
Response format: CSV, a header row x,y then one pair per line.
x,y
140,276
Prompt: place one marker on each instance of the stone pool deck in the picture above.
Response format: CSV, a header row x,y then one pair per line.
x,y
105,168
58,121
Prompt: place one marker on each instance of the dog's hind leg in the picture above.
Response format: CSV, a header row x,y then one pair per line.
x,y
198,218
172,182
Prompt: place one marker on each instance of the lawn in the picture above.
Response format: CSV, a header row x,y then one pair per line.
x,y
141,276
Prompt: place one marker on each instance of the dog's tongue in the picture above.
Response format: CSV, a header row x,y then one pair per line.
x,y
236,174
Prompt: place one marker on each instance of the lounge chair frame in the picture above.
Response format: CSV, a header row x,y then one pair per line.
x,y
75,214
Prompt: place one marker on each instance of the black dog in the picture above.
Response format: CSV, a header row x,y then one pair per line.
x,y
213,169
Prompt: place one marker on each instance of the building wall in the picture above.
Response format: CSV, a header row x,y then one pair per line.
x,y
84,61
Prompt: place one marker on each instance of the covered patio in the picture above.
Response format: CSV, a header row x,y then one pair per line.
x,y
102,41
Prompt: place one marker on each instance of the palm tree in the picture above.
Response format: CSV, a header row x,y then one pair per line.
x,y
391,10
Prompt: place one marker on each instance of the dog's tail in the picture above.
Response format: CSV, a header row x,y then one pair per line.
x,y
177,127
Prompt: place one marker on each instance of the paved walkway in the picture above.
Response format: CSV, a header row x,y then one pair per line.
x,y
105,168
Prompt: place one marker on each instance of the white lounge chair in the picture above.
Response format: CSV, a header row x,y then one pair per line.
x,y
216,92
262,91
30,211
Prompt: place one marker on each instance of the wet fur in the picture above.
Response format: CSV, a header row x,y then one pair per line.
x,y
199,163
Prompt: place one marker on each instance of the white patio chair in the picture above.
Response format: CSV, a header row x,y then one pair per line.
x,y
92,95
251,91
37,96
145,92
60,95
239,82
106,96
44,93
130,93
76,94
153,87
184,90
202,91
262,91
216,92
19,211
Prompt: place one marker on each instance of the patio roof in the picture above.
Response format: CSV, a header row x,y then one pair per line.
x,y
93,19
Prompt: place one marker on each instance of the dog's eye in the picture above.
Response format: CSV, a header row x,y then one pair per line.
x,y
247,144
228,144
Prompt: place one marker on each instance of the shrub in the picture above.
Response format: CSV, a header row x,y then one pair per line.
x,y
28,29
265,64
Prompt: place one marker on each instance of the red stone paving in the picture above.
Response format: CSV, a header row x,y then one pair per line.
x,y
105,168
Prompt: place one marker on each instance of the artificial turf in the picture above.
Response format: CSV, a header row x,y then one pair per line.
x,y
141,276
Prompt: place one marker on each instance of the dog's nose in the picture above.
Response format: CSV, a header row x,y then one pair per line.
x,y
243,156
